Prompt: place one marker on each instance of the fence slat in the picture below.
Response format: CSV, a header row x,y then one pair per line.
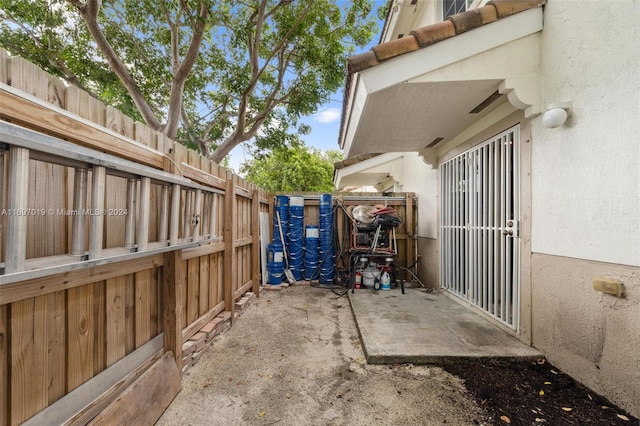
x,y
143,307
130,220
4,362
193,288
115,331
80,325
163,221
143,213
57,344
129,317
78,231
28,358
197,215
100,327
203,296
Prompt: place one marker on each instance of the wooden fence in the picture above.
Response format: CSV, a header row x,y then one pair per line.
x,y
116,246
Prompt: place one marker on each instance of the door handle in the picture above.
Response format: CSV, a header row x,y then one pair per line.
x,y
508,232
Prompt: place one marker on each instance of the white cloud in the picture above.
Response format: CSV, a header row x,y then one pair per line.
x,y
328,115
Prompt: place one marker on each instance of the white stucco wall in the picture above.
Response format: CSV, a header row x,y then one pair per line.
x,y
416,176
586,174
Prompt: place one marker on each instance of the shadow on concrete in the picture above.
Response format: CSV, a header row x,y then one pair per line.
x,y
425,328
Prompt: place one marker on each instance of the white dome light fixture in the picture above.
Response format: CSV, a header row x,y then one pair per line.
x,y
556,115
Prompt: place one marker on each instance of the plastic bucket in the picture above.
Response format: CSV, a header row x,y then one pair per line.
x,y
275,271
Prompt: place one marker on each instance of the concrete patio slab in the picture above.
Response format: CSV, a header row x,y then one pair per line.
x,y
422,328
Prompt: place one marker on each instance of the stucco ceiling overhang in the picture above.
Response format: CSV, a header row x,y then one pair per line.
x,y
408,102
370,172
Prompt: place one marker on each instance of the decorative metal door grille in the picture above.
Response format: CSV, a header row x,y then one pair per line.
x,y
479,238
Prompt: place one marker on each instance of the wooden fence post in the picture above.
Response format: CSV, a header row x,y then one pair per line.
x,y
173,279
255,247
230,273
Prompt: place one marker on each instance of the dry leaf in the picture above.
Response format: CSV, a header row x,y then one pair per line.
x,y
206,385
262,413
505,419
541,361
270,376
547,383
554,371
604,407
541,393
287,395
567,408
623,417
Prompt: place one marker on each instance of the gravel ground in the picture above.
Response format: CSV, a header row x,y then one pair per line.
x,y
294,358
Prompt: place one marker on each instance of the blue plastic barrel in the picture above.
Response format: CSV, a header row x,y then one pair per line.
x,y
327,250
295,242
311,253
281,207
275,263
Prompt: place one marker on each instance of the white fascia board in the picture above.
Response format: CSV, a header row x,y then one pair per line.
x,y
376,161
337,179
357,100
446,52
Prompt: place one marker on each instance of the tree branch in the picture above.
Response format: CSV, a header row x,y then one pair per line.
x,y
182,72
89,12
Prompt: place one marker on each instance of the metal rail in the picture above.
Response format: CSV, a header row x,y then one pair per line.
x,y
23,145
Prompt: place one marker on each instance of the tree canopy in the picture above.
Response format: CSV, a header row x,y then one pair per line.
x,y
210,73
293,168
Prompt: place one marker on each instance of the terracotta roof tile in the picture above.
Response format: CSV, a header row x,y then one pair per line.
x,y
426,36
362,61
396,47
474,18
509,7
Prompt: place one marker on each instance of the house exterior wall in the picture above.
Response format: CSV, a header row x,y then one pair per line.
x,y
586,197
418,177
586,176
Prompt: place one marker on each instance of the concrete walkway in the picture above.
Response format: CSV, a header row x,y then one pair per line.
x,y
421,328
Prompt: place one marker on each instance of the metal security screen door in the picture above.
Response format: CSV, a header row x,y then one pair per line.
x,y
479,239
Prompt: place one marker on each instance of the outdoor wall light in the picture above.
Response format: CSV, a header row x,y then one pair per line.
x,y
556,114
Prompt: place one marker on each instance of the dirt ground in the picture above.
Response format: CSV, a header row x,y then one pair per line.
x,y
294,358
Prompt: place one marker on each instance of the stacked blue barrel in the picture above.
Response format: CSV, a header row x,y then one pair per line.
x,y
282,210
327,250
275,263
311,252
295,243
